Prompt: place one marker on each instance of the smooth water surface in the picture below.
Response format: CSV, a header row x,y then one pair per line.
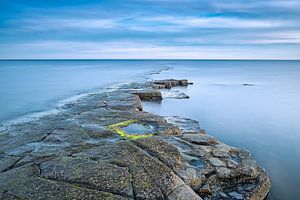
x,y
35,86
249,104
139,129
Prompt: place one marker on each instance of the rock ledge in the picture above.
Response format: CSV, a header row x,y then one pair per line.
x,y
84,152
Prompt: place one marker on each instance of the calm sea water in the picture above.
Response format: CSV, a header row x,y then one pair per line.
x,y
264,117
37,86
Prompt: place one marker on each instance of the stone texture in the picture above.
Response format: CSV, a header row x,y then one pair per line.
x,y
186,126
168,83
149,95
74,155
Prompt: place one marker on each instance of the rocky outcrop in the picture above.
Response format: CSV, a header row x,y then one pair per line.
x,y
149,95
86,152
153,92
168,83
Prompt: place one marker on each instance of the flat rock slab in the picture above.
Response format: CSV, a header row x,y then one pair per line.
x,y
76,154
185,125
169,83
149,95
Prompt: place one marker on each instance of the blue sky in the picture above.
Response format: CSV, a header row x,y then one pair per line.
x,y
191,29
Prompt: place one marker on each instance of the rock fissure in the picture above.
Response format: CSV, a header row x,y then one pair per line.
x,y
48,134
12,166
175,189
82,185
10,194
153,181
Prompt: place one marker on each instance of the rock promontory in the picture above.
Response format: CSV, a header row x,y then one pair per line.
x,y
104,146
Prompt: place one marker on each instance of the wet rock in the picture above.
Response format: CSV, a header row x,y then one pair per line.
x,y
2,128
7,162
149,95
186,126
169,129
232,164
183,193
217,162
95,175
224,173
205,190
123,100
174,94
158,86
191,176
169,83
223,195
75,154
97,131
248,84
25,183
183,82
222,151
250,168
200,139
236,195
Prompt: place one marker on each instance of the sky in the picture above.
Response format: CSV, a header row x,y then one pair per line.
x,y
150,29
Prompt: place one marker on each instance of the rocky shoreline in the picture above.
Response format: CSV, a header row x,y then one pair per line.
x,y
104,146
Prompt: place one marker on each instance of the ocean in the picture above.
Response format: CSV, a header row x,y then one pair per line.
x,y
248,104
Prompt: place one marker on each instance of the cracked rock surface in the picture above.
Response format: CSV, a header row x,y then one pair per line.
x,y
74,155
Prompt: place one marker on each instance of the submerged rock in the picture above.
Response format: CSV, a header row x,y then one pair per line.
x,y
168,83
2,128
248,84
174,94
105,147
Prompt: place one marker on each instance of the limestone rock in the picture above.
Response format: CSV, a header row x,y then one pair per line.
x,y
200,139
168,83
149,95
184,192
75,154
186,126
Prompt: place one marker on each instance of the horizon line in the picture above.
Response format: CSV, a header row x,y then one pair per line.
x,y
145,59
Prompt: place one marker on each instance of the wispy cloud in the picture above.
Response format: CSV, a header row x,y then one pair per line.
x,y
256,4
151,28
220,22
73,49
68,23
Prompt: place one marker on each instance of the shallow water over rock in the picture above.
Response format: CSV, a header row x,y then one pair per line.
x,y
137,129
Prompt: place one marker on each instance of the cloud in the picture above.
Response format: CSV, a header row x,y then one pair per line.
x,y
219,22
161,28
138,50
256,4
45,24
157,23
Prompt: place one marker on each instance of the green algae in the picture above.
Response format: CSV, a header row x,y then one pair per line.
x,y
118,129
